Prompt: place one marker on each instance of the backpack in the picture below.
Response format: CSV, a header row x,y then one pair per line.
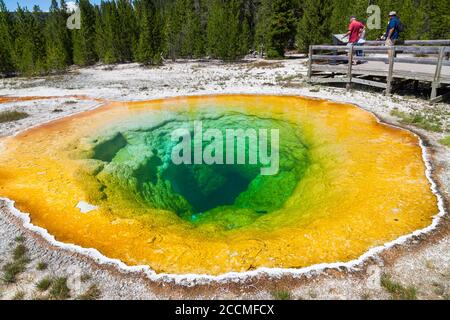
x,y
400,26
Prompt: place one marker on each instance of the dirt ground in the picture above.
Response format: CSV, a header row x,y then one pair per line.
x,y
418,268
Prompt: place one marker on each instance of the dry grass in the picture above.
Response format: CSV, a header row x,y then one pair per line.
x,y
41,266
264,65
282,295
18,264
20,295
19,252
10,116
431,123
93,293
446,141
44,284
85,277
59,289
397,291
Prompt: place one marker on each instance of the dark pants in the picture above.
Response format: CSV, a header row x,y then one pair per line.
x,y
359,53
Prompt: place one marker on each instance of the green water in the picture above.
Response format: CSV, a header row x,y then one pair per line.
x,y
137,166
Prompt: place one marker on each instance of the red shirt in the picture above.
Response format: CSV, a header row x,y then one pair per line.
x,y
355,29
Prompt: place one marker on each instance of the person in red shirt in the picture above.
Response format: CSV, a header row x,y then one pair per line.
x,y
355,30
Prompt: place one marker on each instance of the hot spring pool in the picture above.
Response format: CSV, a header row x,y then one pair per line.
x,y
343,183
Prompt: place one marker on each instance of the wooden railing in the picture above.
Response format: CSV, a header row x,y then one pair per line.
x,y
325,59
413,43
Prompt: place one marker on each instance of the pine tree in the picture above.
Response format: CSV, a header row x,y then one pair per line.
x,y
99,41
216,38
282,28
65,33
439,17
127,30
84,39
262,25
173,30
23,44
29,42
245,38
411,19
226,34
107,33
57,43
314,27
150,44
6,43
37,33
235,38
185,37
248,26
342,10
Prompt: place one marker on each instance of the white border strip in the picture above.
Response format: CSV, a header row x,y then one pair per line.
x,y
195,279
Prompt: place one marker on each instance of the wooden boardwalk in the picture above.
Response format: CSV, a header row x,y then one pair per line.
x,y
382,66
